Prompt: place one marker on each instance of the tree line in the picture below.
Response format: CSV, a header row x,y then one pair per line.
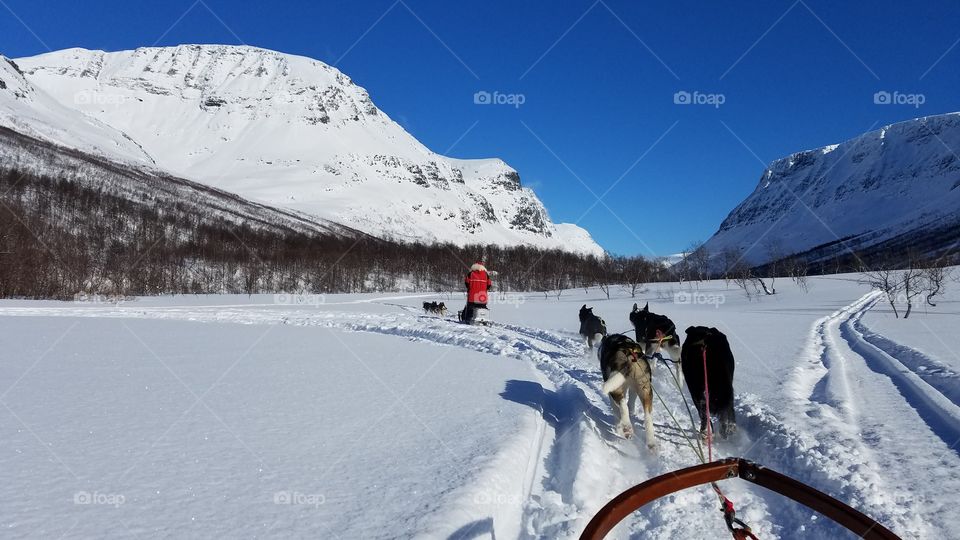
x,y
75,225
62,238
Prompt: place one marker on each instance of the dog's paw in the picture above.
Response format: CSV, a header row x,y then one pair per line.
x,y
728,430
626,431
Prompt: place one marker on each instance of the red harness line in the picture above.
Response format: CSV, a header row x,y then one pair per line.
x,y
706,395
742,532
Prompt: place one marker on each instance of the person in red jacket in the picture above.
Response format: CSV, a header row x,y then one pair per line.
x,y
478,284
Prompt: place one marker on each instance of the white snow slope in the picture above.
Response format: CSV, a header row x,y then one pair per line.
x,y
293,132
899,181
27,110
361,417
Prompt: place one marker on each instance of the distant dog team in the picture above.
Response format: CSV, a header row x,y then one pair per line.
x,y
435,307
627,367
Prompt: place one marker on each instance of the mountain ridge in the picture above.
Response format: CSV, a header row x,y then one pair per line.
x,y
862,193
293,132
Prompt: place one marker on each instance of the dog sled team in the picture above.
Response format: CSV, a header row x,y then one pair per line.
x,y
704,359
626,364
436,308
478,285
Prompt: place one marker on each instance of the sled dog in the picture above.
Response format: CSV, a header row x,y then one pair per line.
x,y
592,328
720,367
655,331
626,375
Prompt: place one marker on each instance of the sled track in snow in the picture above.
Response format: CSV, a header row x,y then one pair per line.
x,y
938,410
824,439
852,422
575,408
583,463
913,363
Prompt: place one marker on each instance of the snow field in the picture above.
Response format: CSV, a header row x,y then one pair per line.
x,y
376,421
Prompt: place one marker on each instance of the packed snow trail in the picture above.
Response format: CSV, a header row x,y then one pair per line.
x,y
580,464
928,377
848,431
856,430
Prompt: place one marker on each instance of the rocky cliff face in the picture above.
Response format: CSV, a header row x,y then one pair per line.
x,y
294,132
899,180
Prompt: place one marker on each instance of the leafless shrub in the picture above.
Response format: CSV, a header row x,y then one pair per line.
x,y
885,279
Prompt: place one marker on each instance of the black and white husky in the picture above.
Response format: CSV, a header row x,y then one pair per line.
x,y
592,328
656,331
626,375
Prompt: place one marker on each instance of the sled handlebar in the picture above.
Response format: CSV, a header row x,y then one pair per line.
x,y
638,496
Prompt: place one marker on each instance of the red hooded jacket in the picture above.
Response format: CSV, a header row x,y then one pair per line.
x,y
478,283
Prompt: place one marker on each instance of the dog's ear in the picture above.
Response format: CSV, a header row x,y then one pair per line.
x,y
646,307
584,306
690,329
634,308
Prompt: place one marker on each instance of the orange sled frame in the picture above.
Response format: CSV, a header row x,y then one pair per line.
x,y
638,496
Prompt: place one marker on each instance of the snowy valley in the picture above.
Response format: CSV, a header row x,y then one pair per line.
x,y
358,416
143,396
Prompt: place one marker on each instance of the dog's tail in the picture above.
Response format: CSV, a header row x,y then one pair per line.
x,y
616,381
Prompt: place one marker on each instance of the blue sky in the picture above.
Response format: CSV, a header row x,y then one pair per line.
x,y
598,80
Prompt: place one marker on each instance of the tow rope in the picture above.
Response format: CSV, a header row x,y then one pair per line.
x,y
736,526
714,471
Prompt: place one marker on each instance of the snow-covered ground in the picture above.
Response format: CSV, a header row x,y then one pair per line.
x,y
357,416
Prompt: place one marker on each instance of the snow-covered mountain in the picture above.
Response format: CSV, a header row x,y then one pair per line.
x,y
284,130
32,112
894,188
